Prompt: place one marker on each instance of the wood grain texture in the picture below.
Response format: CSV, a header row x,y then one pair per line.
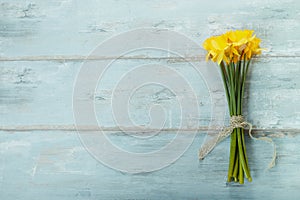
x,y
40,93
68,28
43,44
55,165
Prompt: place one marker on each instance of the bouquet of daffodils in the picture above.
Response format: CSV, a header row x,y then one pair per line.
x,y
233,52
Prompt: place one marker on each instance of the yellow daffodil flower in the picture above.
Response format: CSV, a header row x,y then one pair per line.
x,y
233,52
232,46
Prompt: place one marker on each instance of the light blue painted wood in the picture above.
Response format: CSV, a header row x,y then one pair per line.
x,y
40,93
54,165
37,28
42,46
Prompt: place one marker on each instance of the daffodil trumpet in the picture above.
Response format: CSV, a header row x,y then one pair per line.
x,y
233,52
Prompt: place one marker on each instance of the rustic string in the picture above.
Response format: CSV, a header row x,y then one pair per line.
x,y
235,122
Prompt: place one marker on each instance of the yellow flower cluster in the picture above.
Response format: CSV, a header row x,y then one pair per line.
x,y
232,46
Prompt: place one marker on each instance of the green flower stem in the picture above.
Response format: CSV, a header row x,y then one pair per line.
x,y
241,140
237,80
236,169
241,154
241,174
232,102
245,151
233,154
243,76
232,88
225,81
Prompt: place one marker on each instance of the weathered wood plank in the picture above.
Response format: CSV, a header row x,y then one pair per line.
x,y
42,46
40,93
70,28
55,165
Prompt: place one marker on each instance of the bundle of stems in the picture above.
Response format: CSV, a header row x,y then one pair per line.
x,y
233,52
234,78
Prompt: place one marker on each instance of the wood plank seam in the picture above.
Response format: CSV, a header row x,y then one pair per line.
x,y
82,58
138,129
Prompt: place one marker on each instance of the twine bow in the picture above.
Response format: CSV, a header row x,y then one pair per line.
x,y
235,122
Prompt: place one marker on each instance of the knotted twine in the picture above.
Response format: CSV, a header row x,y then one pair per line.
x,y
235,122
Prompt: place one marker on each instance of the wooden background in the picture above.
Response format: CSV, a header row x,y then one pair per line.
x,y
43,44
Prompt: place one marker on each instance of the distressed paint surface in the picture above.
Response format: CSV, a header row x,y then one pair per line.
x,y
271,100
75,27
43,44
54,164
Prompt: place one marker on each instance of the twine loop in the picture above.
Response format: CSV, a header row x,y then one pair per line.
x,y
237,121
